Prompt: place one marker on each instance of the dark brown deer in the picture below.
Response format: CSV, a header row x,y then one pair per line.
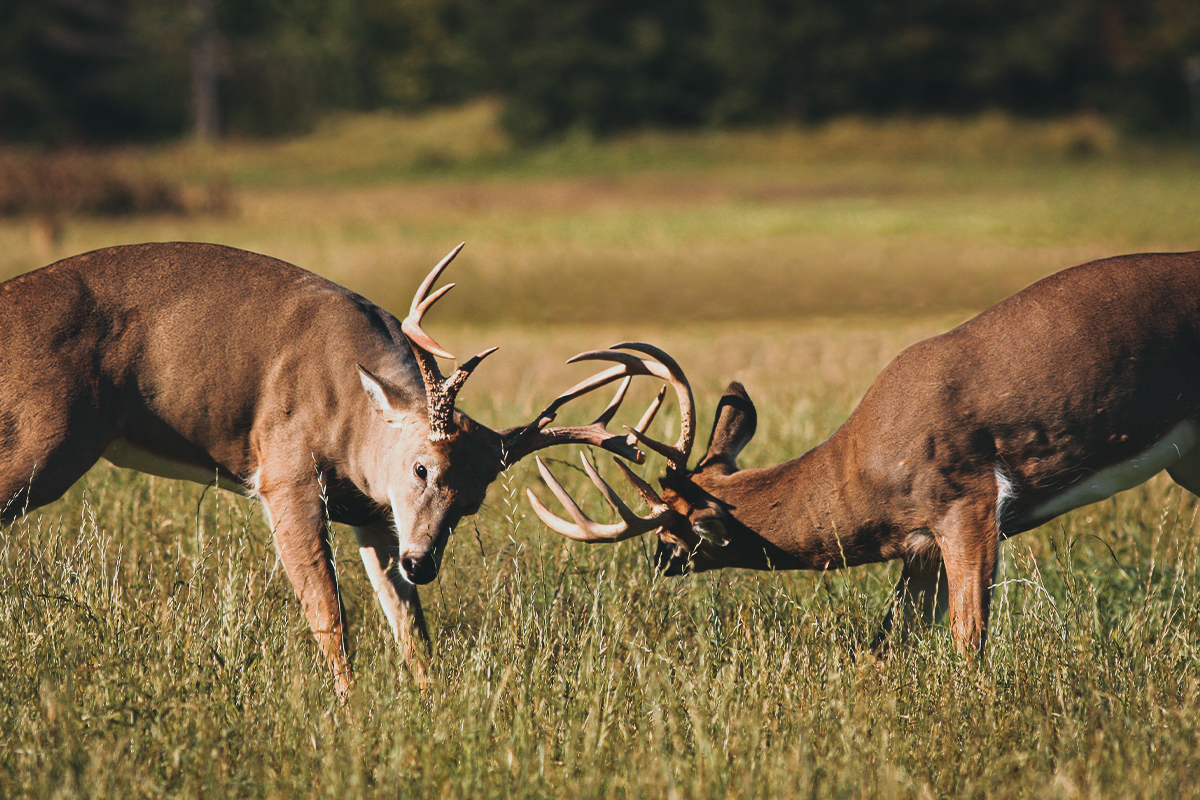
x,y
216,365
1083,385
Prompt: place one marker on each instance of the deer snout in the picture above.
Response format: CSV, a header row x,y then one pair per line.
x,y
419,568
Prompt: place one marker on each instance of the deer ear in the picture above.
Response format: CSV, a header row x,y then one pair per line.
x,y
385,397
733,428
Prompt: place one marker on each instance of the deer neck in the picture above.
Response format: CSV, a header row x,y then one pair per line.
x,y
812,512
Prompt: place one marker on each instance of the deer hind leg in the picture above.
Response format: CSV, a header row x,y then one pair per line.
x,y
302,539
920,597
397,597
970,545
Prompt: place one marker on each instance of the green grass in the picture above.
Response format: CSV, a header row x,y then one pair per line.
x,y
150,645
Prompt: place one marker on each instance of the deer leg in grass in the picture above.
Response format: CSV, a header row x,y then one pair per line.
x,y
302,539
970,544
25,485
920,597
397,597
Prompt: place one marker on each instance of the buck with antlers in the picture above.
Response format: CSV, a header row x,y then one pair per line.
x,y
212,364
1083,385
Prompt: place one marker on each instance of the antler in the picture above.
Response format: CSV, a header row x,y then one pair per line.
x,y
585,529
520,442
516,443
665,368
440,393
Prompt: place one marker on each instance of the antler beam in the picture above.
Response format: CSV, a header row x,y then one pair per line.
x,y
665,368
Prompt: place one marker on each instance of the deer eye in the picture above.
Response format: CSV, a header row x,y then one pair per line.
x,y
420,471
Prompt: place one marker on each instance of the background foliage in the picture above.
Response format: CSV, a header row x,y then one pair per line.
x,y
121,69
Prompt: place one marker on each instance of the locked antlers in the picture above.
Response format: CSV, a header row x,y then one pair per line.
x,y
583,528
516,443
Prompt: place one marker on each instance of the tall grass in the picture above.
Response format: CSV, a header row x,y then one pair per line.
x,y
150,645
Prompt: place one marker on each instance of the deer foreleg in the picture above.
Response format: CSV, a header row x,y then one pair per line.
x,y
302,539
920,597
397,597
970,544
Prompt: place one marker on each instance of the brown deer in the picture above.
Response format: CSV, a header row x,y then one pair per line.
x,y
1083,385
217,365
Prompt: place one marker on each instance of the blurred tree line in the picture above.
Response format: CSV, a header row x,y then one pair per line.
x,y
104,70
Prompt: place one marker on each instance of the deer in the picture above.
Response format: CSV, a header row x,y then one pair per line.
x,y
1082,385
221,366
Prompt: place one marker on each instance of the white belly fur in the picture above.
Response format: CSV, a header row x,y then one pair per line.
x,y
124,453
1166,452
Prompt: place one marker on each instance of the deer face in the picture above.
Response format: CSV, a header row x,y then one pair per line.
x,y
692,539
431,488
430,482
696,537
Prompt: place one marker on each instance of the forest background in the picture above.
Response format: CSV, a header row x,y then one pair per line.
x,y
136,70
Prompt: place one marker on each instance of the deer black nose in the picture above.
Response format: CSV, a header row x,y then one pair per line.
x,y
419,570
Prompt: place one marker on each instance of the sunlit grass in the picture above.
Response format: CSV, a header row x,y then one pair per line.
x,y
150,645
853,218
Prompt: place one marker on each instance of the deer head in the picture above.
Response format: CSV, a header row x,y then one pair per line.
x,y
438,461
694,527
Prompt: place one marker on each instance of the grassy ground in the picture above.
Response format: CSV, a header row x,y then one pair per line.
x,y
149,644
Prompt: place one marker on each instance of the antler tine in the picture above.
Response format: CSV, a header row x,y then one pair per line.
x,y
614,405
670,453
578,390
648,416
585,529
644,489
431,279
520,442
421,302
687,402
627,516
440,392
665,368
455,382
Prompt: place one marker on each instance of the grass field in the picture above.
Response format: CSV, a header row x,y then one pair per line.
x,y
150,646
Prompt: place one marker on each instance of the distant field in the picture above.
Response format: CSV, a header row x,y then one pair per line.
x,y
149,645
854,218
